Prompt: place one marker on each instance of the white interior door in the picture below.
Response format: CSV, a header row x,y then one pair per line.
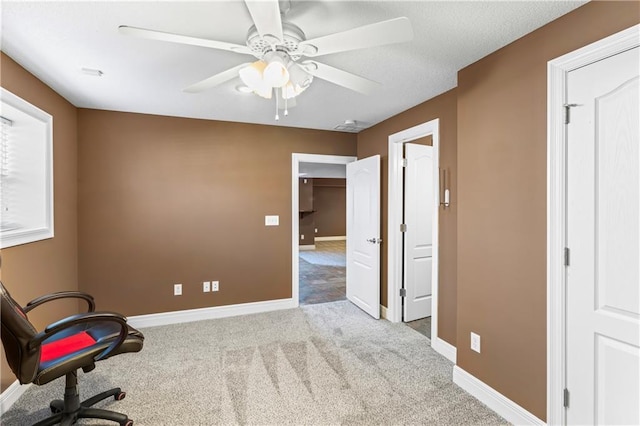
x,y
418,238
603,300
363,234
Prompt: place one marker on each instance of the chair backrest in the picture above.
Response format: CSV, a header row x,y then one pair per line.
x,y
16,333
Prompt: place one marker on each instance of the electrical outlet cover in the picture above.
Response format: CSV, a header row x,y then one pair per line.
x,y
475,342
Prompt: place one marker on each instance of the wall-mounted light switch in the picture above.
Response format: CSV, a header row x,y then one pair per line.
x,y
271,220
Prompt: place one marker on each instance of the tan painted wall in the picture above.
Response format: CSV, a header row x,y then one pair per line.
x,y
375,140
31,270
171,200
502,201
330,203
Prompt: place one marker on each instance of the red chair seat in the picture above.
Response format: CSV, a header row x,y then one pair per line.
x,y
65,346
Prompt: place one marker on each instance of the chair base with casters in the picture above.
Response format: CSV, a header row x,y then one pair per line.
x,y
64,347
68,411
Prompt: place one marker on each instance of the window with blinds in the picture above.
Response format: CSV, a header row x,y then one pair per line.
x,y
26,172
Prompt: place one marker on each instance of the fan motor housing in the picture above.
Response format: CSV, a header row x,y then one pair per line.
x,y
292,35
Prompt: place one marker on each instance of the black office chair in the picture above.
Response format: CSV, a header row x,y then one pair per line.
x,y
62,348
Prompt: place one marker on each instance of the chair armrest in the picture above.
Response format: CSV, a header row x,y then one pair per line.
x,y
88,317
61,295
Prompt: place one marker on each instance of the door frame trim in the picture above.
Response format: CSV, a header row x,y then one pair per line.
x,y
557,72
395,208
296,159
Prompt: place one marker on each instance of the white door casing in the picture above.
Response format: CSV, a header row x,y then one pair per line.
x,y
363,234
603,275
557,75
418,238
394,236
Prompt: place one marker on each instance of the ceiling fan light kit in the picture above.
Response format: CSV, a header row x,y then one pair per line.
x,y
275,71
278,45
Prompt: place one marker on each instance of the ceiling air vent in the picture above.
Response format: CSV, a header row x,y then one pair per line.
x,y
351,126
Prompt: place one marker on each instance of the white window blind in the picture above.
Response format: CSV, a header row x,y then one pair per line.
x,y
6,221
26,172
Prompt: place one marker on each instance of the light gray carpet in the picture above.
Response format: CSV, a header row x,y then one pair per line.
x,y
317,365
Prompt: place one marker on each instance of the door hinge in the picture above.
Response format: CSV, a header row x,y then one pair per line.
x,y
403,162
567,112
403,227
403,292
567,256
565,398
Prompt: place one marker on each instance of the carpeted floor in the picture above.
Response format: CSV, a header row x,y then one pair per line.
x,y
316,365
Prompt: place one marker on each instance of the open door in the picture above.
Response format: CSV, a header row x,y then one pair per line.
x,y
419,200
363,234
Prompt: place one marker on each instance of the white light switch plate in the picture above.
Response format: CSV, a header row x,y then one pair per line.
x,y
273,220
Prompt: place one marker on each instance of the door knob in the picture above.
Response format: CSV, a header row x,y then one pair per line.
x,y
375,240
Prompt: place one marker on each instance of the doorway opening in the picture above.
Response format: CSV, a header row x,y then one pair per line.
x,y
418,201
322,222
318,231
396,255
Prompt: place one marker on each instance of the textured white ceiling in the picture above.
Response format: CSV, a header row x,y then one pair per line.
x,y
54,40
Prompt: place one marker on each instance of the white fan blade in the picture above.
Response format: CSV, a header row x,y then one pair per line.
x,y
182,39
266,17
386,32
215,80
341,78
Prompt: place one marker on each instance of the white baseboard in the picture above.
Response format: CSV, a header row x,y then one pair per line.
x,y
337,238
11,395
493,399
307,247
190,315
383,312
445,349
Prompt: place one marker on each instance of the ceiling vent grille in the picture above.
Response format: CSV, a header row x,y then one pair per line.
x,y
351,126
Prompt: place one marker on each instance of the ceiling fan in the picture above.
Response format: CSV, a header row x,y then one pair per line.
x,y
281,48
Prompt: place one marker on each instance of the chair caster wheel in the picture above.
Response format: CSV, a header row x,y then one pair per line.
x,y
119,397
56,407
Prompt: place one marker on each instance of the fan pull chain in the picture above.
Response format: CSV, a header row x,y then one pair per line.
x,y
277,115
